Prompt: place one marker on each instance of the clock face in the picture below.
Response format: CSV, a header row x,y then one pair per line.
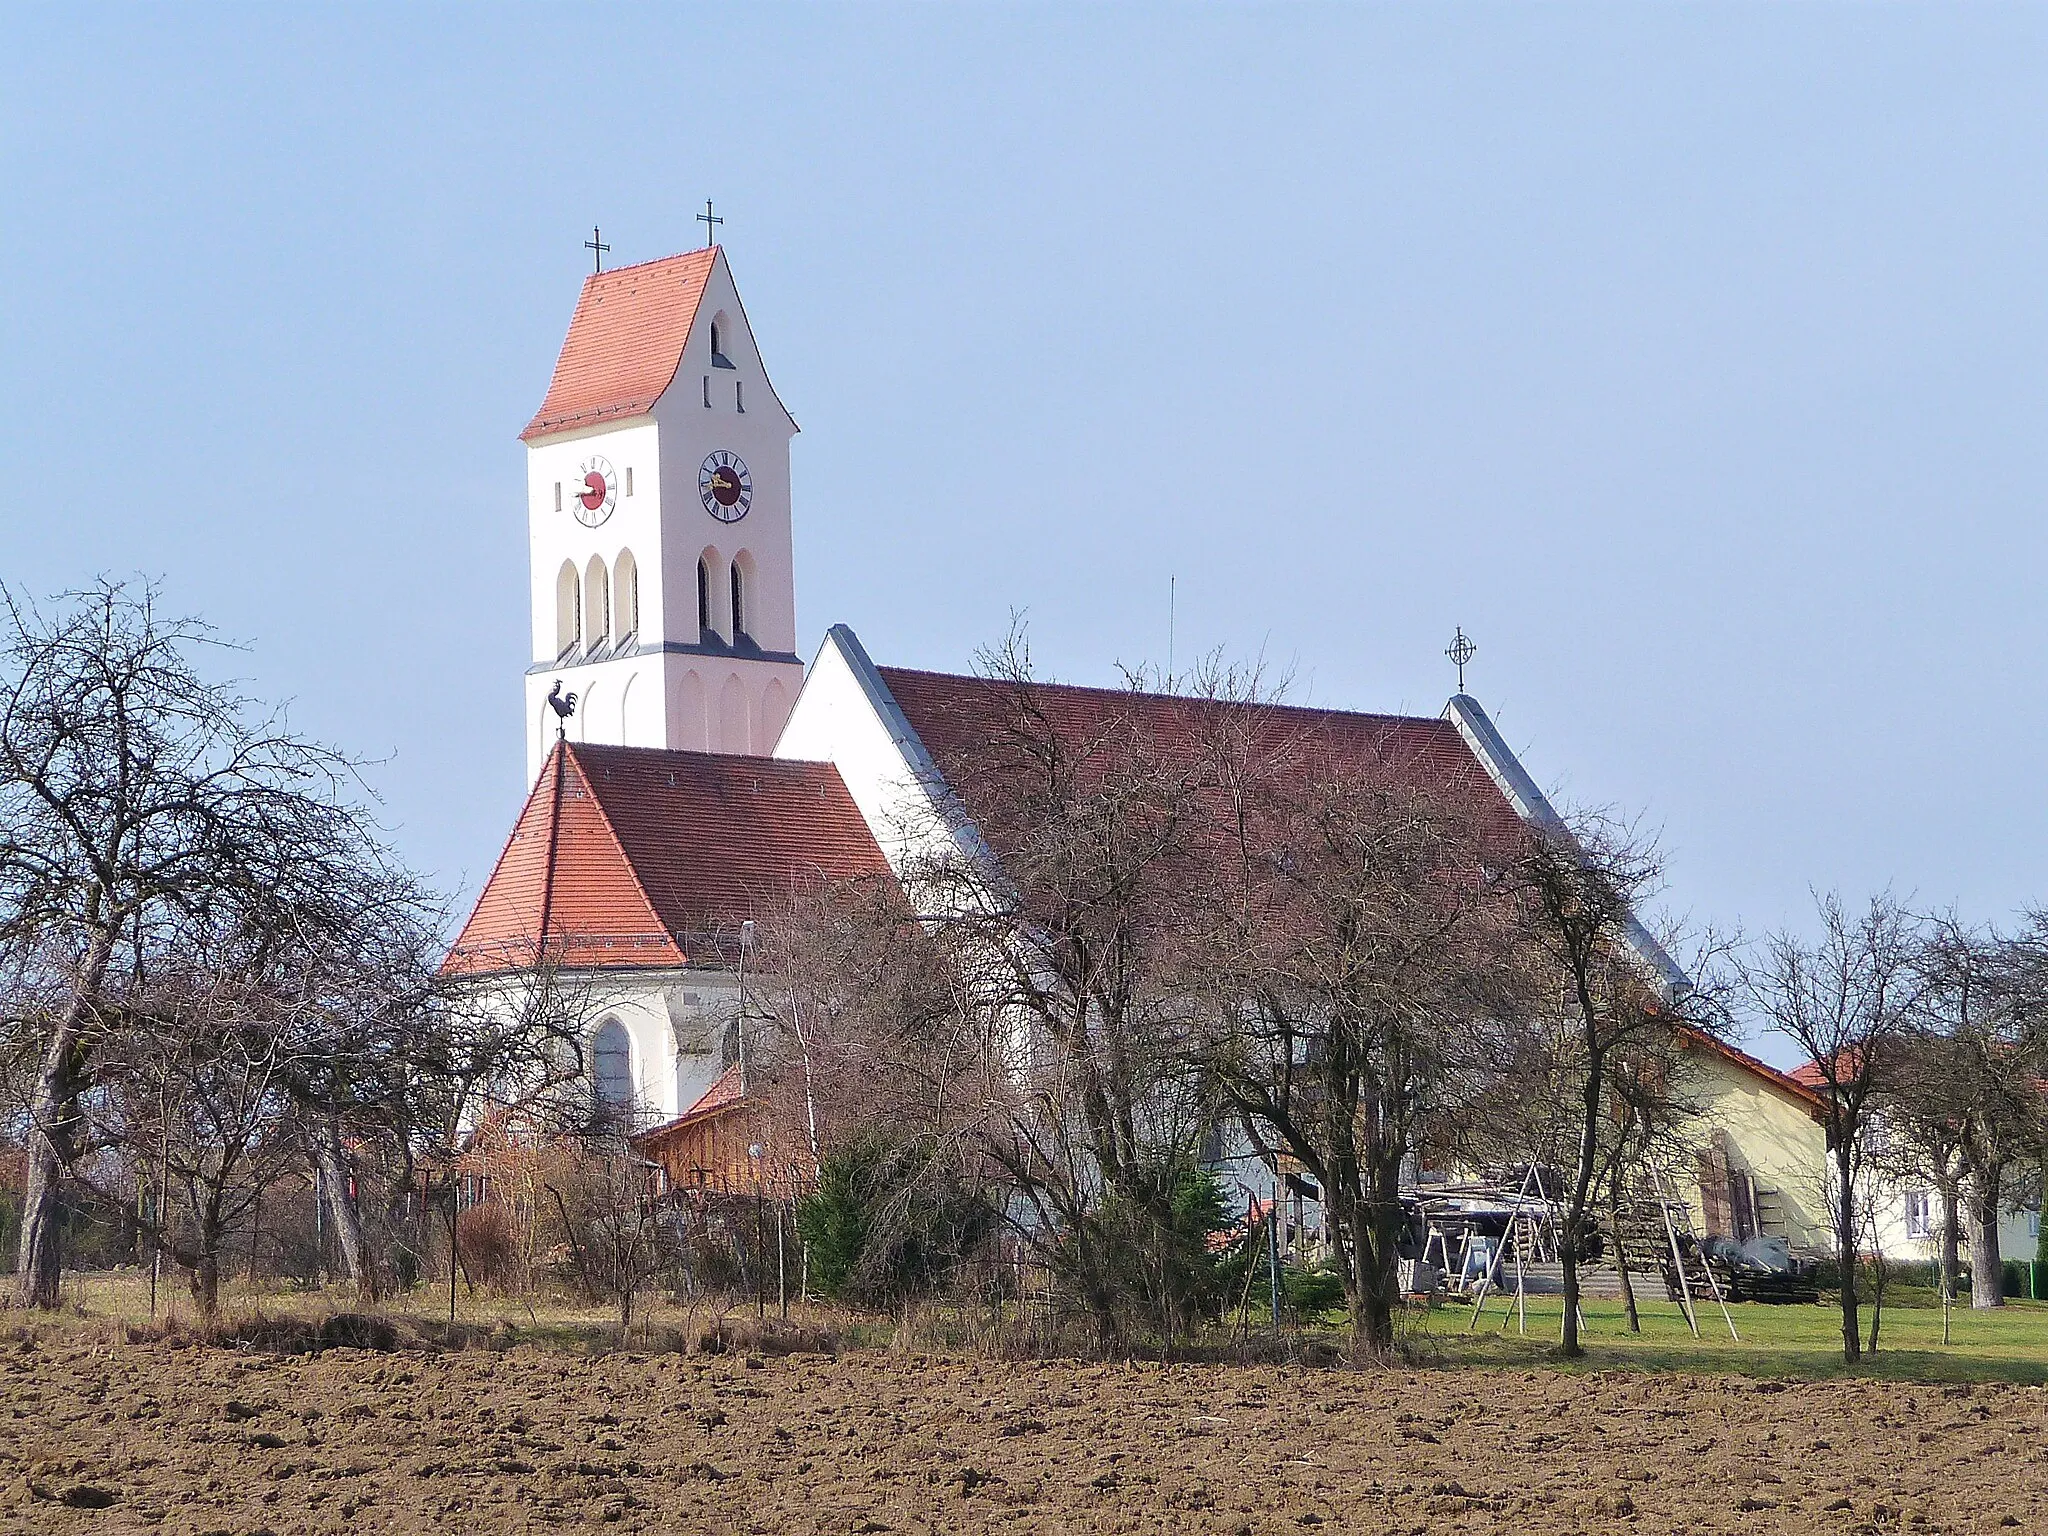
x,y
598,494
725,487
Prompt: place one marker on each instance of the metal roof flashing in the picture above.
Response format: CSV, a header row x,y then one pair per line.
x,y
1494,754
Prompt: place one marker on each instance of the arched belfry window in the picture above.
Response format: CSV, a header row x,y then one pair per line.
x,y
597,599
720,333
568,610
626,594
611,1066
703,601
739,602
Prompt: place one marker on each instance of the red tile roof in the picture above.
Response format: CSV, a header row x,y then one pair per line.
x,y
625,856
955,715
625,342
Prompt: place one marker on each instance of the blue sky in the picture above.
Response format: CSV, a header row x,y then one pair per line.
x,y
1690,357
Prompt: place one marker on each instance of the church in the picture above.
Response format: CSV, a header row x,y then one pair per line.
x,y
688,767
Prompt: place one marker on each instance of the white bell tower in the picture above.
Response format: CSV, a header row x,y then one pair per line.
x,y
657,477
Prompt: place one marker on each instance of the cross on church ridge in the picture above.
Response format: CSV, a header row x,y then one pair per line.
x,y
710,221
596,246
1461,650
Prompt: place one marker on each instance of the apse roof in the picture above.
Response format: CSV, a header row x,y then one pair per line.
x,y
636,856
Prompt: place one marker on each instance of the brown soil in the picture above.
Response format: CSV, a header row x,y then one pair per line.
x,y
121,1437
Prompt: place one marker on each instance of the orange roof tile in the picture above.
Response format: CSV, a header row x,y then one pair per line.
x,y
623,854
625,342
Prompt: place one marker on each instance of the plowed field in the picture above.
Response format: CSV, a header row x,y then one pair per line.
x,y
123,1437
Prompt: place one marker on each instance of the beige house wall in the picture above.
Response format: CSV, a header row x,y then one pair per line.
x,y
1771,1135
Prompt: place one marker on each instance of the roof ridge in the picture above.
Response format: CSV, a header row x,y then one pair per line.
x,y
1170,698
624,749
654,261
570,753
498,867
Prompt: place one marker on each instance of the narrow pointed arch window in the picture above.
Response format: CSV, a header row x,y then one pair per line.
x,y
626,595
611,1066
739,602
597,603
703,601
568,610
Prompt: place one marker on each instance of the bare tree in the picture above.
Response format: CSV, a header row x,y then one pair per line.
x,y
1057,887
134,794
1363,955
1847,1002
1614,1004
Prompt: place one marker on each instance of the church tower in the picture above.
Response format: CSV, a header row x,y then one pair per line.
x,y
657,481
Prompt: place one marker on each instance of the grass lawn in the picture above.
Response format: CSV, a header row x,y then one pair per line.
x,y
2009,1343
1796,1340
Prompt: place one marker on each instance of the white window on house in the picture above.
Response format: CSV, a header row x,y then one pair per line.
x,y
1920,1217
611,1066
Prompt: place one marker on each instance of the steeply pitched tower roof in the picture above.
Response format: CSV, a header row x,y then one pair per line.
x,y
625,856
625,342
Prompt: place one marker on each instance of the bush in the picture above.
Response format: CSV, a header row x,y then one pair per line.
x,y
1312,1292
888,1223
1124,1260
489,1247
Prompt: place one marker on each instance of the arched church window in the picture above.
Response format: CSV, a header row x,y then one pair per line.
x,y
597,594
715,347
568,610
739,604
611,1066
626,594
718,337
703,602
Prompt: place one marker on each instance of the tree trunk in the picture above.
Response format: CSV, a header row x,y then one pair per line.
x,y
206,1271
1628,1289
1845,1245
53,1111
1950,1219
1377,1279
348,1223
1574,1224
1987,1263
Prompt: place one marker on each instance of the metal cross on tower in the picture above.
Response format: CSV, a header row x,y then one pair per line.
x,y
1461,650
710,222
596,246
